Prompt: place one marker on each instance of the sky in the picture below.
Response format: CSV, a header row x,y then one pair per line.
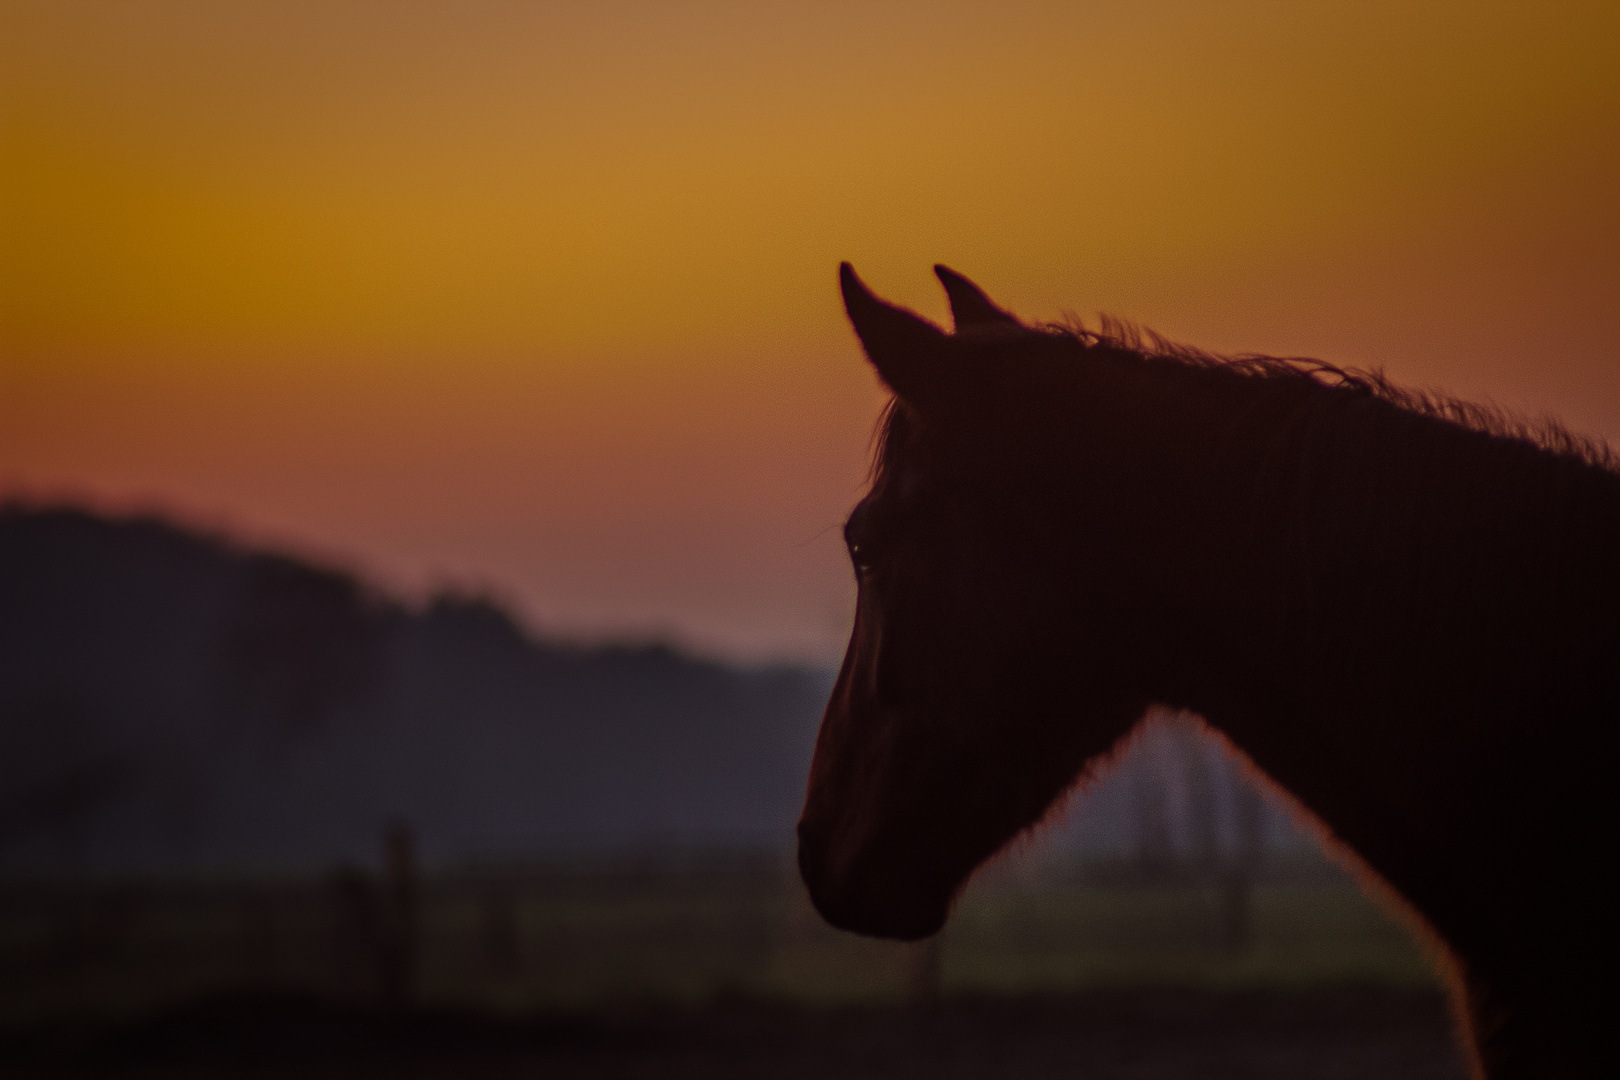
x,y
539,300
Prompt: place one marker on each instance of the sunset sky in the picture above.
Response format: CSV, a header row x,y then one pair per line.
x,y
539,299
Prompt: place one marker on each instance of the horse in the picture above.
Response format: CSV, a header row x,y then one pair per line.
x,y
1401,608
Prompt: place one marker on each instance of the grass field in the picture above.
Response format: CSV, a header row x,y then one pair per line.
x,y
590,937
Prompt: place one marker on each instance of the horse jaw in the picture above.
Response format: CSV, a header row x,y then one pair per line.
x,y
893,826
864,850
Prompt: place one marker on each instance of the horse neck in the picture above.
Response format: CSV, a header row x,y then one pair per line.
x,y
1408,613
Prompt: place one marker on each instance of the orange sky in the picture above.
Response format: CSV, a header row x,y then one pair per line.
x,y
539,298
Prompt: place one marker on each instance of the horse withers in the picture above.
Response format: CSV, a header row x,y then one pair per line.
x,y
1402,608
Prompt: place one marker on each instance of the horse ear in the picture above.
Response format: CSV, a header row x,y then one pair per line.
x,y
905,348
969,305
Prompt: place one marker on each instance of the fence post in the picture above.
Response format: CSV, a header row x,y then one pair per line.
x,y
356,930
396,952
257,911
503,947
923,982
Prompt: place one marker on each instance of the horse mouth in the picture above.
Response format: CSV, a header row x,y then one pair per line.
x,y
876,900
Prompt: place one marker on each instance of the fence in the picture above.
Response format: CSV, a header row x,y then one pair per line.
x,y
586,934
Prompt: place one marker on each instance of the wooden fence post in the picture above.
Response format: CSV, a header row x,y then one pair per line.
x,y
356,931
503,945
396,952
923,981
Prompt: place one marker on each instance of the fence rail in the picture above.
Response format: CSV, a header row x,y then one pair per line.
x,y
579,933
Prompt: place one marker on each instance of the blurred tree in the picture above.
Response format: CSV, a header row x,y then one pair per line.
x,y
1150,802
1243,865
1198,777
59,770
300,644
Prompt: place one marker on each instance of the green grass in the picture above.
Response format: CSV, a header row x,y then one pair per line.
x,y
1048,939
588,940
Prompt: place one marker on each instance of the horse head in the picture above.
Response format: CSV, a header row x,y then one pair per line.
x,y
957,718
1401,607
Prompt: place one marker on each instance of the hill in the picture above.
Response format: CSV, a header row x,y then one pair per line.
x,y
170,700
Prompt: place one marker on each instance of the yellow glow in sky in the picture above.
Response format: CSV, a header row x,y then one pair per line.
x,y
541,296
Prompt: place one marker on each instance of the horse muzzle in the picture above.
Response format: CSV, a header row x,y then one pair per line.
x,y
871,895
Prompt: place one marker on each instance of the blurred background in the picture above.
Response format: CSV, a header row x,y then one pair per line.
x,y
424,435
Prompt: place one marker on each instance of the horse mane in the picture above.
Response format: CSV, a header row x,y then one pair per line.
x,y
1544,433
1132,341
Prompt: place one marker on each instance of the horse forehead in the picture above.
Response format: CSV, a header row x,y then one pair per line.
x,y
908,485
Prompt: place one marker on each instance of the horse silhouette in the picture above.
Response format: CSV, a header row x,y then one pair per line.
x,y
1404,610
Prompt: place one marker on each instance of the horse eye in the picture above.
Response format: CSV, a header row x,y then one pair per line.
x,y
852,531
859,554
858,538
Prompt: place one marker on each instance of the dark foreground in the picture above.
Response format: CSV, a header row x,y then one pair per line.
x,y
1390,1035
